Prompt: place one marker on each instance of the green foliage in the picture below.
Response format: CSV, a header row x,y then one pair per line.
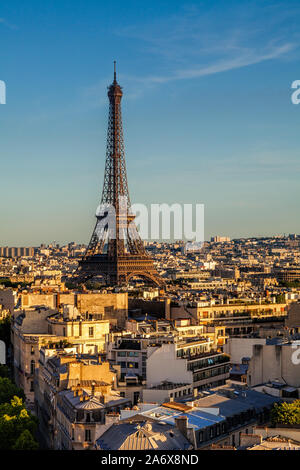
x,y
280,299
63,343
4,371
8,390
25,442
71,285
89,285
290,284
17,426
286,413
94,285
7,283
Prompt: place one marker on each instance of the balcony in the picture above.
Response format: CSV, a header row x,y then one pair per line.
x,y
208,361
193,357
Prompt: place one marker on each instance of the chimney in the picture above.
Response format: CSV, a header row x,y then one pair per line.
x,y
181,422
101,399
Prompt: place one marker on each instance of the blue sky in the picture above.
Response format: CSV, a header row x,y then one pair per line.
x,y
207,112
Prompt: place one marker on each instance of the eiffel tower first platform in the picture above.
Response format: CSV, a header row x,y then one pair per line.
x,y
116,255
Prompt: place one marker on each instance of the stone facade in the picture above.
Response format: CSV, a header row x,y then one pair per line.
x,y
112,306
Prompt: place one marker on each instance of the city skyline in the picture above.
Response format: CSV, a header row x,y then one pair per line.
x,y
214,125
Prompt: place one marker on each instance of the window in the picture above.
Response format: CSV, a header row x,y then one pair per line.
x,y
31,386
32,367
32,350
91,331
88,435
132,354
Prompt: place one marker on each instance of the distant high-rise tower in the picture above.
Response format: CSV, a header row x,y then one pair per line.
x,y
116,254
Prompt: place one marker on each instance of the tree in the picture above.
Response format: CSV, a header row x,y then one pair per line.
x,y
14,421
8,390
286,413
4,371
25,442
280,299
290,284
7,283
71,285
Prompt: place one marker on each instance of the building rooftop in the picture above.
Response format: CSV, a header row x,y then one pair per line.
x,y
236,401
88,401
168,386
143,435
274,443
197,418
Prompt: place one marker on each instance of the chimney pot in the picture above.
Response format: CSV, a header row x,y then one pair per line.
x,y
181,423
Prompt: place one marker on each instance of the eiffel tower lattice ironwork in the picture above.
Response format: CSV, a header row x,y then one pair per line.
x,y
116,254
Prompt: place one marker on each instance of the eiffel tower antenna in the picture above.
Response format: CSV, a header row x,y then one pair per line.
x,y
117,254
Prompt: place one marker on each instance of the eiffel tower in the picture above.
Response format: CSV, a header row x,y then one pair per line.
x,y
116,251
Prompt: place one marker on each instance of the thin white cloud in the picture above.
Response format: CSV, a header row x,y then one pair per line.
x,y
137,85
223,65
200,42
7,24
